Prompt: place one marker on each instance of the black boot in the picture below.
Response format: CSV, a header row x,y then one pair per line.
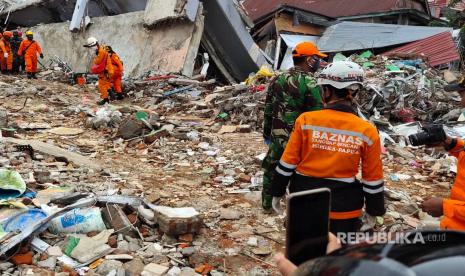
x,y
29,75
103,101
119,96
34,76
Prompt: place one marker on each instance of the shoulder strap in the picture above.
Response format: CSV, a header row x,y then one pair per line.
x,y
29,45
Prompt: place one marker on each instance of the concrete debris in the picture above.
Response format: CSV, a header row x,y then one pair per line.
x,y
154,270
171,181
159,11
404,91
55,151
116,219
178,221
184,36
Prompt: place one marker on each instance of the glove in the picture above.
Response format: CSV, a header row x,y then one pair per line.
x,y
368,222
41,56
276,204
267,142
5,55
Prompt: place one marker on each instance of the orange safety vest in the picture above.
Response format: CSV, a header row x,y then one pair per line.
x,y
328,146
454,207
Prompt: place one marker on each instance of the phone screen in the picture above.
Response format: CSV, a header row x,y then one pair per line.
x,y
307,225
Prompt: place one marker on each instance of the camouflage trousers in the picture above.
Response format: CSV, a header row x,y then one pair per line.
x,y
275,151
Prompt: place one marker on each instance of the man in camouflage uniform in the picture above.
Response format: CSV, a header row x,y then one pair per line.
x,y
289,95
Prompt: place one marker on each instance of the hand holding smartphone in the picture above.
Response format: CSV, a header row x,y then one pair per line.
x,y
307,225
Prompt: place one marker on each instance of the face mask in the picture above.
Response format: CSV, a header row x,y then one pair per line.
x,y
313,63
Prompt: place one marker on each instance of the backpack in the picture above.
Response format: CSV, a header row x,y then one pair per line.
x,y
99,68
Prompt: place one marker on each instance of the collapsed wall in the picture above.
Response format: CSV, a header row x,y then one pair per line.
x,y
167,48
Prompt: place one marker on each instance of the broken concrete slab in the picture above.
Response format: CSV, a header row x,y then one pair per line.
x,y
158,11
170,48
177,221
115,218
66,131
51,11
227,129
228,41
154,270
57,152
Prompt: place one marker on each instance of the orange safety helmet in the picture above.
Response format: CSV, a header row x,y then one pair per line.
x,y
305,49
8,34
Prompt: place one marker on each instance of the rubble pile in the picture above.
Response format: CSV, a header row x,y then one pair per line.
x,y
168,181
182,201
406,90
238,104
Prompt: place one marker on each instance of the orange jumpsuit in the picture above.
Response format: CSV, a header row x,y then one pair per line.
x,y
454,207
31,48
105,78
6,63
118,72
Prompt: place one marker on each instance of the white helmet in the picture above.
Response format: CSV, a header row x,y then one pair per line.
x,y
91,42
341,74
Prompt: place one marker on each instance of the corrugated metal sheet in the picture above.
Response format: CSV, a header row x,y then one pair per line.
x,y
352,36
331,8
439,49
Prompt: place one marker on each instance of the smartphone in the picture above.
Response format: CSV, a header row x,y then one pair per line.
x,y
307,225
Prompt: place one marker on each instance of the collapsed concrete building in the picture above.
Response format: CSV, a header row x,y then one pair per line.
x,y
162,36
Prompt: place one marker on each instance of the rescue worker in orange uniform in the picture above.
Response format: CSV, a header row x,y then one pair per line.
x,y
30,48
326,149
118,73
2,50
104,68
7,58
453,208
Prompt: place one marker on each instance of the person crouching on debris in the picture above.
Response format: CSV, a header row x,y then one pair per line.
x,y
289,95
453,208
103,67
30,48
326,149
7,58
118,73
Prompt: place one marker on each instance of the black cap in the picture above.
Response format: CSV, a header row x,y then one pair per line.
x,y
458,86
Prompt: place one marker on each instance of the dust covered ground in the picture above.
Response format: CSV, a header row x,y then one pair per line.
x,y
217,174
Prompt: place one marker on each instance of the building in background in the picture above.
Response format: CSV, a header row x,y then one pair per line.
x,y
401,12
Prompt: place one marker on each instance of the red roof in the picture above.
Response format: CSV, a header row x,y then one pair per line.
x,y
330,8
439,49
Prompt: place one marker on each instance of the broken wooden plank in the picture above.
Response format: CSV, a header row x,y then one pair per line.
x,y
57,152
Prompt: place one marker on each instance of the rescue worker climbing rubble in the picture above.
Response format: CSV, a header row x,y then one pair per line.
x,y
326,149
118,73
7,58
102,66
289,95
452,209
30,48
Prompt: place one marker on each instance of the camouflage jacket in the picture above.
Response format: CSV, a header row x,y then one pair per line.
x,y
289,95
